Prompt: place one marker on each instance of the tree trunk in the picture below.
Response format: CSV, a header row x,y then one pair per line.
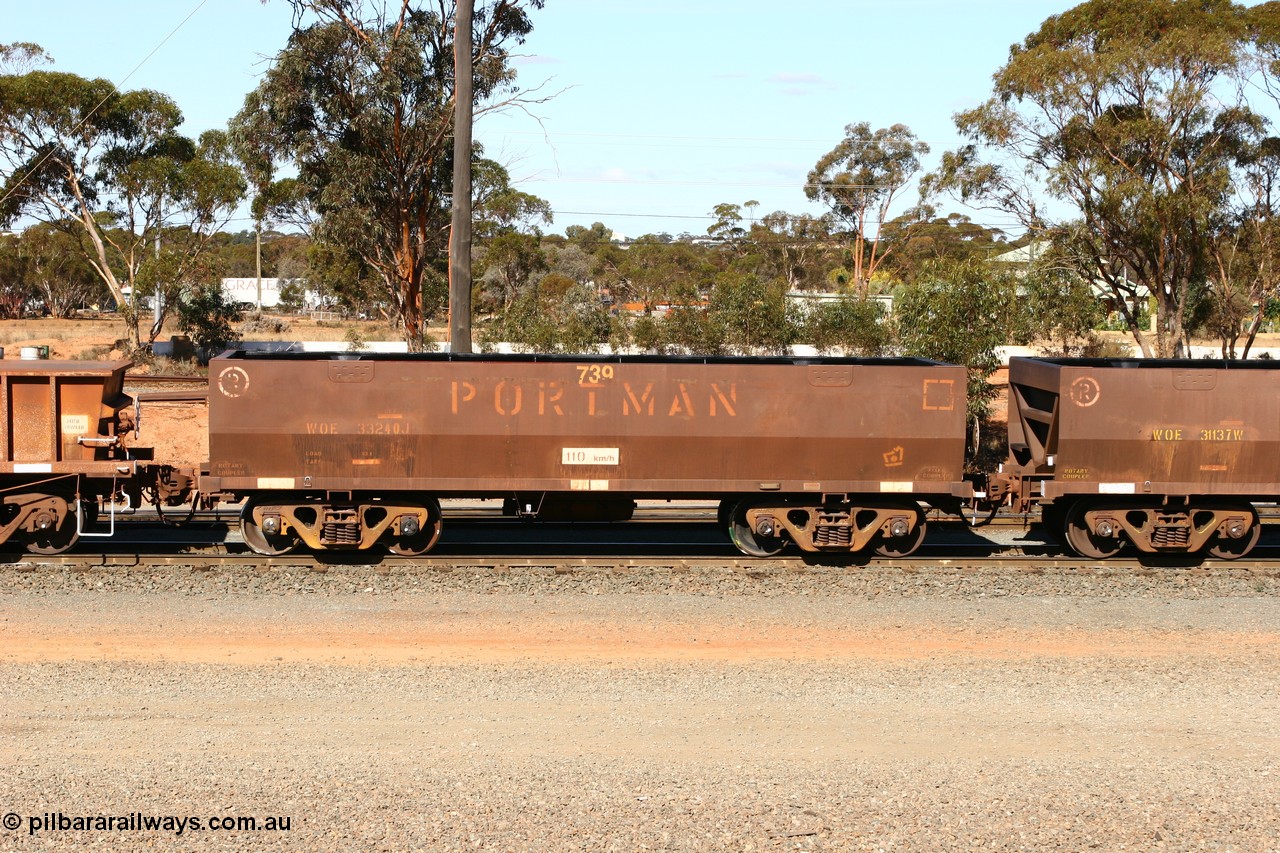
x,y
1254,326
411,290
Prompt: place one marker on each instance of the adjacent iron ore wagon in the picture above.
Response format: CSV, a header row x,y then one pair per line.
x,y
1167,455
356,451
63,432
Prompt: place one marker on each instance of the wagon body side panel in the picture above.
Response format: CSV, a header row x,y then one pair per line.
x,y
461,426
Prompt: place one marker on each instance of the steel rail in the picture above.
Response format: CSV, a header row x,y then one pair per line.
x,y
220,557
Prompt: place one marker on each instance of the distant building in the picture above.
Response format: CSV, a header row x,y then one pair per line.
x,y
245,290
1023,258
808,300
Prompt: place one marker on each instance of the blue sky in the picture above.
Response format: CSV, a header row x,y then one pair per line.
x,y
665,108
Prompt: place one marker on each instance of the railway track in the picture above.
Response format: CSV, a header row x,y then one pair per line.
x,y
630,559
663,537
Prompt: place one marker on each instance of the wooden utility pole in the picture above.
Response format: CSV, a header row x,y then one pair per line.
x,y
460,232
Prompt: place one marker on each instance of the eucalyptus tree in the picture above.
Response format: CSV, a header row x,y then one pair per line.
x,y
361,100
727,227
195,195
860,180
508,262
56,272
916,241
1245,257
650,271
1127,116
272,200
959,311
16,289
112,169
794,246
501,208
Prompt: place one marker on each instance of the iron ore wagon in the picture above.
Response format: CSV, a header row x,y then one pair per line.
x,y
1167,455
64,434
356,450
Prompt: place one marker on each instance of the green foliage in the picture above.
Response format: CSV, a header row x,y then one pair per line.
x,y
794,248
754,314
15,290
506,265
849,325
646,333
589,239
574,322
293,296
342,279
959,313
1061,308
503,209
651,271
689,326
208,318
43,268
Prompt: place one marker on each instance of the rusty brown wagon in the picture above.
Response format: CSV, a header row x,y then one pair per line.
x,y
63,431
1167,455
355,451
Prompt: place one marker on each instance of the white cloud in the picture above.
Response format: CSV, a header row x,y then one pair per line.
x,y
800,83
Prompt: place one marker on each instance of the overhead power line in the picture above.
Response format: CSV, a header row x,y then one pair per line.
x,y
115,90
647,136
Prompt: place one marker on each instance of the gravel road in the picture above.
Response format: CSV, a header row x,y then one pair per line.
x,y
823,709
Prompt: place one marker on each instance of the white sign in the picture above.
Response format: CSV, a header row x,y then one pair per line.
x,y
75,424
589,456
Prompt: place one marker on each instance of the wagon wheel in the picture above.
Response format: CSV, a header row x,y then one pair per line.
x,y
903,546
1082,540
425,539
267,544
724,515
1226,548
747,540
55,540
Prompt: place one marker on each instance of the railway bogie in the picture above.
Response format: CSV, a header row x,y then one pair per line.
x,y
276,524
760,527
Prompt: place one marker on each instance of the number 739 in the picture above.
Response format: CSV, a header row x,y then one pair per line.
x,y
592,374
